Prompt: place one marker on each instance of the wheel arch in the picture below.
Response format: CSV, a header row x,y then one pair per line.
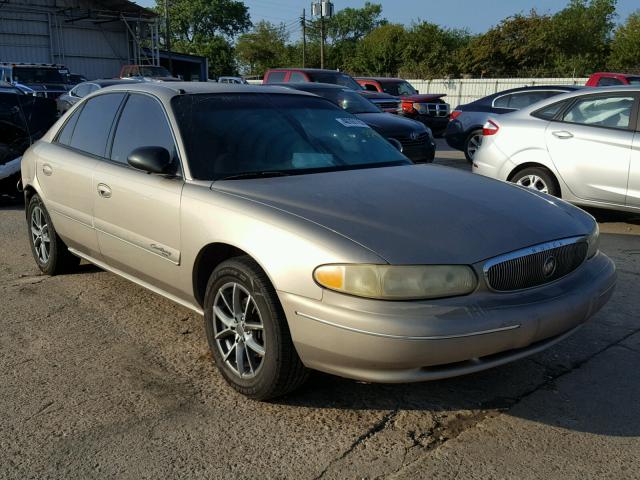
x,y
524,166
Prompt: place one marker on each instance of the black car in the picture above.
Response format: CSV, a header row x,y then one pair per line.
x,y
416,140
464,131
77,93
23,120
43,79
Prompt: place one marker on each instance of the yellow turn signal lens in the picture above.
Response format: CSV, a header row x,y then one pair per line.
x,y
330,276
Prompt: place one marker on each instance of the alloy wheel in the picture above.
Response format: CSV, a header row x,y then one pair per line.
x,y
238,330
473,145
40,235
534,182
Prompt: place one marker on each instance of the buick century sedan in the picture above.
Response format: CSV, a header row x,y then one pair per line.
x,y
305,239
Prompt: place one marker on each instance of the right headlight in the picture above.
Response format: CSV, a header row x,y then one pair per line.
x,y
593,241
397,282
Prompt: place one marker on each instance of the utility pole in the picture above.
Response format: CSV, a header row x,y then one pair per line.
x,y
304,37
322,8
167,33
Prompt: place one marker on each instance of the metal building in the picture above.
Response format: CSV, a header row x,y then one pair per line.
x,y
93,38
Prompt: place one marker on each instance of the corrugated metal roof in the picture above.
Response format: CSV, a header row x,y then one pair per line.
x,y
126,6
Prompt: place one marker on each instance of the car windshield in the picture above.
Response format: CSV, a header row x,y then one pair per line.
x,y
336,78
39,75
398,89
348,100
231,135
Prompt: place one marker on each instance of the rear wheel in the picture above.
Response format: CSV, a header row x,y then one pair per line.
x,y
539,179
472,144
49,251
248,333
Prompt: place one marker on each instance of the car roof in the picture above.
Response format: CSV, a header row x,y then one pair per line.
x,y
167,90
107,82
532,88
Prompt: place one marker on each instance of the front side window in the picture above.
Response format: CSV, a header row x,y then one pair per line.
x,y
94,123
229,135
143,123
613,112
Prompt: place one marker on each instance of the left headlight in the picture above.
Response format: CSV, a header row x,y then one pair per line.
x,y
398,282
593,241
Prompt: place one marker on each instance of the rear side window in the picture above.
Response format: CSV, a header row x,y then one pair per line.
x,y
94,124
549,112
275,77
609,81
612,112
143,123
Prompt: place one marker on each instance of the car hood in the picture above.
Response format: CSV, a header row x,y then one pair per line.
x,y
424,97
415,214
389,124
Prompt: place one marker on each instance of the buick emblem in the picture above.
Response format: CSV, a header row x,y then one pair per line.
x,y
414,135
549,267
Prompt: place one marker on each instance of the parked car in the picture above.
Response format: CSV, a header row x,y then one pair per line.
x,y
148,73
387,103
23,119
429,109
581,146
607,79
306,240
42,79
235,80
464,131
76,78
66,101
415,140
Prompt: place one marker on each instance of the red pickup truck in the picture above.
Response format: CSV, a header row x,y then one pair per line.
x,y
429,109
607,79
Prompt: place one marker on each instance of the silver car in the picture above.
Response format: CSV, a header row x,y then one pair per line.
x,y
305,239
583,147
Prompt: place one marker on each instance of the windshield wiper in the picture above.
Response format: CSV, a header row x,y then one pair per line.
x,y
265,174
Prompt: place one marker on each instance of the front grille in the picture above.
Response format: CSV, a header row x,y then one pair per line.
x,y
535,266
413,142
387,105
436,109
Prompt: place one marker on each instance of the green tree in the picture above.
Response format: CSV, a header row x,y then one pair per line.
x,y
625,47
263,48
207,27
380,51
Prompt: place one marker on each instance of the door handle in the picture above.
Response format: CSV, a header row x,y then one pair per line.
x,y
104,191
46,169
562,134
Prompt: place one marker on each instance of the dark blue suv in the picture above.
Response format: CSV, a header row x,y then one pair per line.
x,y
464,131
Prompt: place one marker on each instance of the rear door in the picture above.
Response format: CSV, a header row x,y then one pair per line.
x,y
65,169
590,145
137,214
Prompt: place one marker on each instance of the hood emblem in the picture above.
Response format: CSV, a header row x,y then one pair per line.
x,y
414,135
549,266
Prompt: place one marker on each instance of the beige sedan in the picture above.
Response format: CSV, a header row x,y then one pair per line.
x,y
305,239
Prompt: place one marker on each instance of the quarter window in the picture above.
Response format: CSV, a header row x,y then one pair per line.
x,y
64,137
612,112
94,123
549,112
143,123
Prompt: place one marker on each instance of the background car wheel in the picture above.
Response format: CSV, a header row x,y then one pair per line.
x,y
49,251
472,144
248,333
539,179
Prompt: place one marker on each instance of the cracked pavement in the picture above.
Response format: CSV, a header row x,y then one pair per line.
x,y
100,378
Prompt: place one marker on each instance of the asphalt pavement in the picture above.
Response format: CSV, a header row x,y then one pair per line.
x,y
100,378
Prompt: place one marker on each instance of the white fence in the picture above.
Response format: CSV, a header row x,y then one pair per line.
x,y
467,90
461,91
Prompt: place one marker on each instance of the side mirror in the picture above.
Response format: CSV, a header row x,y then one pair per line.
x,y
151,160
417,91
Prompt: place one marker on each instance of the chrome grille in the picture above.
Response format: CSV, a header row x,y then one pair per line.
x,y
436,109
535,266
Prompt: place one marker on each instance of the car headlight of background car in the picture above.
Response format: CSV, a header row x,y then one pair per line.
x,y
398,282
593,240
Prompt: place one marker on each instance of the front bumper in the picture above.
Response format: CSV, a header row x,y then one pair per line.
x,y
393,342
423,153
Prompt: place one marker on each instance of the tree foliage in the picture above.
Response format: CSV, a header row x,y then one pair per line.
x,y
625,48
263,48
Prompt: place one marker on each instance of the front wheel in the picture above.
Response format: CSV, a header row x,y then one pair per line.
x,y
49,251
539,179
248,333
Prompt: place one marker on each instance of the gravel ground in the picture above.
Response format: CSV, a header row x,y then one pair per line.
x,y
102,379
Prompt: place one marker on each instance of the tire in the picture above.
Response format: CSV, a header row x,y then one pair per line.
x,y
539,179
239,285
471,144
48,249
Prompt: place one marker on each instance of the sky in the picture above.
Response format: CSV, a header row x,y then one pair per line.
x,y
476,16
